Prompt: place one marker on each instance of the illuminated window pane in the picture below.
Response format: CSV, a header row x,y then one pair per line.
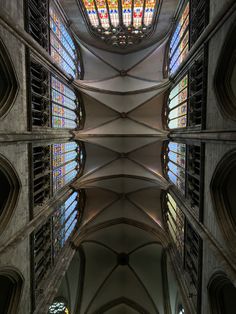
x,y
65,164
91,11
175,222
114,12
138,13
62,47
103,13
58,308
176,164
64,221
178,105
149,12
63,105
127,12
121,22
179,44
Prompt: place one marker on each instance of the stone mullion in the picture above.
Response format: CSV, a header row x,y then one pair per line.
x,y
53,280
221,254
178,271
41,54
43,213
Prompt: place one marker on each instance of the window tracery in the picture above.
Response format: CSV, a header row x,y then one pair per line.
x,y
121,23
55,166
53,103
187,31
183,166
186,100
47,26
187,243
50,238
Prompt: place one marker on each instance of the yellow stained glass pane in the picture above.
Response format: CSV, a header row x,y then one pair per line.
x,y
127,11
138,13
114,12
103,13
91,11
149,12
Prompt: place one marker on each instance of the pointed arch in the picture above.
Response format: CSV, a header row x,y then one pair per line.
x,y
10,185
223,196
11,283
8,81
225,75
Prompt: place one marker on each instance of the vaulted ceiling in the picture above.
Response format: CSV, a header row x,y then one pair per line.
x,y
122,233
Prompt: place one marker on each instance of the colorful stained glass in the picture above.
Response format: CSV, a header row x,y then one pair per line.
x,y
91,11
179,44
58,308
64,163
178,105
122,22
176,164
138,13
175,221
62,47
127,12
149,12
114,12
63,105
103,13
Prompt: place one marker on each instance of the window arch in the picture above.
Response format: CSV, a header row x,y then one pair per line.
x,y
186,100
55,166
222,294
10,287
48,27
54,103
186,242
187,31
223,194
54,234
225,77
121,23
8,81
10,188
183,167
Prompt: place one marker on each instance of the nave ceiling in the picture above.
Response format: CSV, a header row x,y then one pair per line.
x,y
120,264
122,235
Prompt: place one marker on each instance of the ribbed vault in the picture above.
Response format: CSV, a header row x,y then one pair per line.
x,y
122,234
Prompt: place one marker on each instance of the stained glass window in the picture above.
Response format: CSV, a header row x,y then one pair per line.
x,y
121,23
178,104
64,221
179,44
175,222
62,47
64,104
176,164
65,163
58,307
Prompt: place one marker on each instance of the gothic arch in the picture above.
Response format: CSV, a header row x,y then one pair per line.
x,y
224,76
10,185
222,190
123,300
222,294
11,283
8,81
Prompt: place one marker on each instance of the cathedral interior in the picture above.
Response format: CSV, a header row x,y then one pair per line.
x,y
117,156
